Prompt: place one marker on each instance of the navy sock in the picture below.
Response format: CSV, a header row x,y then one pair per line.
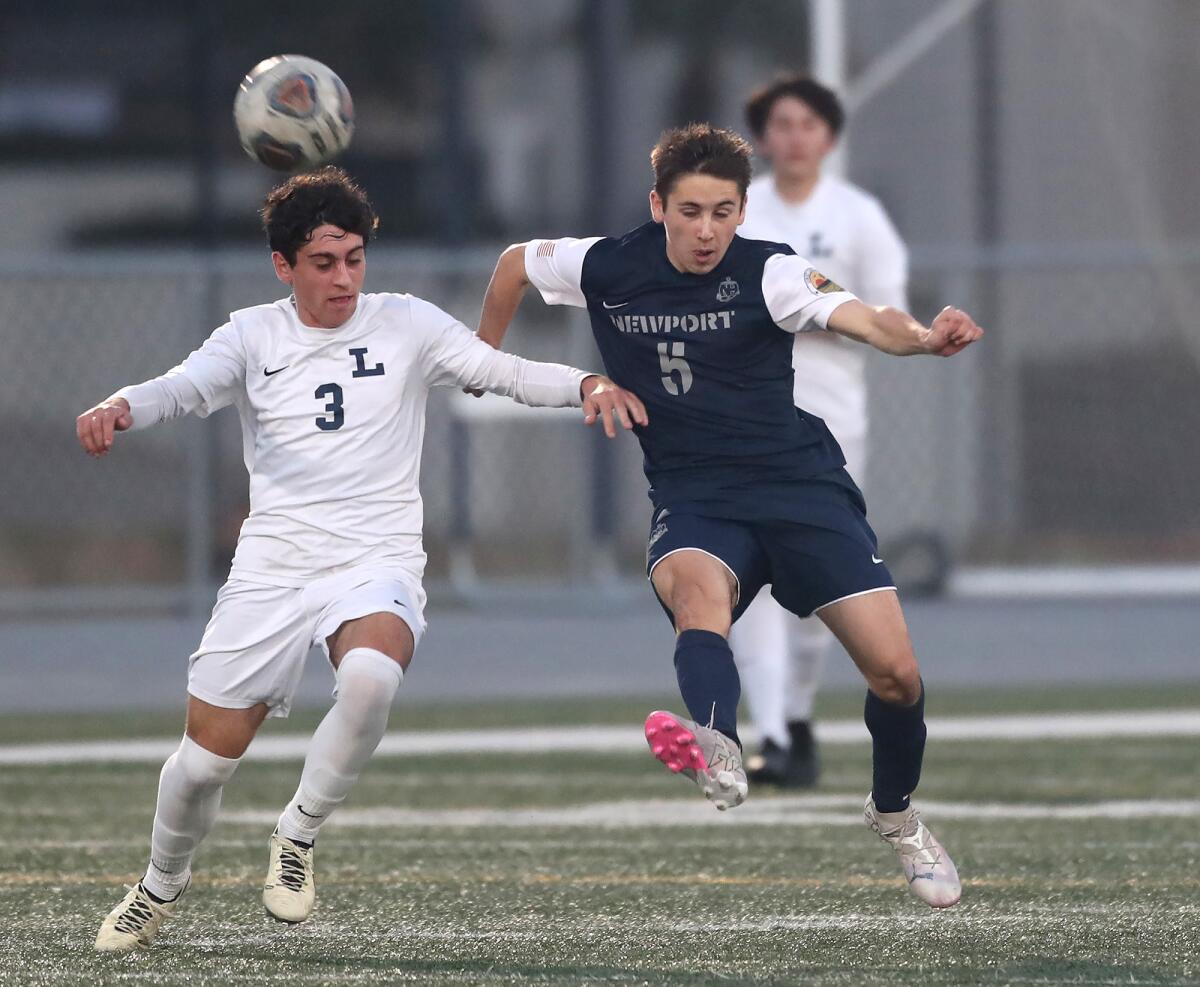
x,y
897,747
708,680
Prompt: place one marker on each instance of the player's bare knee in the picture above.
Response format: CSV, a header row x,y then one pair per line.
x,y
383,632
703,620
221,731
898,683
701,606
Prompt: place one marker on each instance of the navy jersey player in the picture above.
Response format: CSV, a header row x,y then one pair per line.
x,y
747,489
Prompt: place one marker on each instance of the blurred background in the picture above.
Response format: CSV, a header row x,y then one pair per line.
x,y
1035,497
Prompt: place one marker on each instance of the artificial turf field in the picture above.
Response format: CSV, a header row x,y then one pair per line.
x,y
566,868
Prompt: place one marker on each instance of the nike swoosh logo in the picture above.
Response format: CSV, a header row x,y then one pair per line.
x,y
272,373
876,561
398,603
300,809
619,305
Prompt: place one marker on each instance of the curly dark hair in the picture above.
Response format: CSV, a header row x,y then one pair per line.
x,y
820,99
297,207
700,149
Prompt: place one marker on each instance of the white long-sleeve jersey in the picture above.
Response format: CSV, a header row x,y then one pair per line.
x,y
845,232
333,422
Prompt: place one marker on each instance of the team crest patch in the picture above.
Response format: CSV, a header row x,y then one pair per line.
x,y
728,290
818,284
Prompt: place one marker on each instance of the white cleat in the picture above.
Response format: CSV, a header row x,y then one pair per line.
x,y
707,756
290,890
134,923
927,866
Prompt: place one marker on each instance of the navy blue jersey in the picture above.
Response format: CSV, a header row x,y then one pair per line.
x,y
710,355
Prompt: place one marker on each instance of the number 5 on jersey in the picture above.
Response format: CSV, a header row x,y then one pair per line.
x,y
672,362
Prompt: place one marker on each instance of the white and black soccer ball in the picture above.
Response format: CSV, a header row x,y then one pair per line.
x,y
293,113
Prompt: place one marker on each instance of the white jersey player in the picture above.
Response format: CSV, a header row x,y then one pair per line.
x,y
846,232
331,386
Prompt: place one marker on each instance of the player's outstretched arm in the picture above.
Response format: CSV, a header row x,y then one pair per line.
x,y
204,382
504,294
453,355
897,333
96,427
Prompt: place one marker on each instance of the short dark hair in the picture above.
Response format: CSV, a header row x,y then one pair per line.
x,y
822,100
297,207
700,149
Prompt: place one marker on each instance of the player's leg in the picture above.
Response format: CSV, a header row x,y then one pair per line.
x,y
698,568
190,788
759,641
809,642
872,629
699,591
780,657
189,797
369,654
253,647
830,567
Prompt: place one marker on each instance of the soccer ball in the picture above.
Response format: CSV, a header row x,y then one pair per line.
x,y
292,112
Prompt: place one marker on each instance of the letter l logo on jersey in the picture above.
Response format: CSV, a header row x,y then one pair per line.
x,y
727,290
361,369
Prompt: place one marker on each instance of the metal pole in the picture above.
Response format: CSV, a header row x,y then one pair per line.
x,y
1000,487
606,31
201,438
450,188
451,185
827,60
907,51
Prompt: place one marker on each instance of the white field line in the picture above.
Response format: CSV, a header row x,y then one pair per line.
x,y
623,739
801,810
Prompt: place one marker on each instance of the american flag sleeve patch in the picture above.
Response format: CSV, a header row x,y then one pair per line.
x,y
546,249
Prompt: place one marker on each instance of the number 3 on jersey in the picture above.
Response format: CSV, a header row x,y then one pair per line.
x,y
334,407
672,362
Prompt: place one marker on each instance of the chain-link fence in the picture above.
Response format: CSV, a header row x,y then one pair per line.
x,y
1064,437
1048,144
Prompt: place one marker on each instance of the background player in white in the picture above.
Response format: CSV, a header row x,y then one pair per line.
x,y
331,386
846,233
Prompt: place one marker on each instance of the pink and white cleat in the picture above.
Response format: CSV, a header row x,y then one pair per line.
x,y
927,866
707,756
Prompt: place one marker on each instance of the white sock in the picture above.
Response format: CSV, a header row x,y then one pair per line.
x,y
759,643
189,795
367,681
809,641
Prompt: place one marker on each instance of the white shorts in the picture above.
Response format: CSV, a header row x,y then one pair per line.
x,y
254,646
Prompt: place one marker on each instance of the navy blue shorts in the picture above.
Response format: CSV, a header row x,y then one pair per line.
x,y
808,566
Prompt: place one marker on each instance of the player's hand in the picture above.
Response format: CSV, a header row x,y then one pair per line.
x,y
96,426
951,332
604,400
